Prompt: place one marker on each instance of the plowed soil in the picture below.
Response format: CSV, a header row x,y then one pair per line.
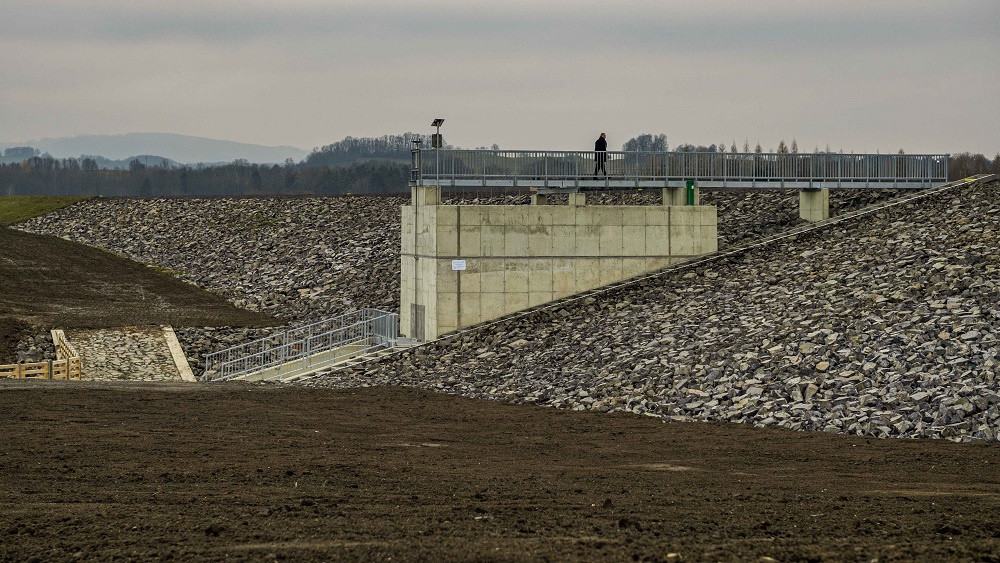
x,y
196,471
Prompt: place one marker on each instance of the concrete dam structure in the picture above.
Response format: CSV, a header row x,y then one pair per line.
x,y
467,264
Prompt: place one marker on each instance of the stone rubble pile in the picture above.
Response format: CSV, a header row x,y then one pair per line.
x,y
305,259
299,259
35,348
129,354
885,325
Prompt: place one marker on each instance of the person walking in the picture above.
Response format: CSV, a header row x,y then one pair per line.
x,y
600,155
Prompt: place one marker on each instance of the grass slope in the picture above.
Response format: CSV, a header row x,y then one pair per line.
x,y
17,208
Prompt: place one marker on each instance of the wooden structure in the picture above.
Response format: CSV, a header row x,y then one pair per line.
x,y
68,368
67,364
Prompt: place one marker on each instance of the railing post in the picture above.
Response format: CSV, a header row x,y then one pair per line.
x,y
635,169
515,169
725,169
308,350
284,347
545,170
415,172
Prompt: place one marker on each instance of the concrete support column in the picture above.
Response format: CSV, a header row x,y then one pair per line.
x,y
425,195
678,196
539,199
674,196
814,205
578,199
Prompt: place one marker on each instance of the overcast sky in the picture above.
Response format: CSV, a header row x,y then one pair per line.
x,y
859,74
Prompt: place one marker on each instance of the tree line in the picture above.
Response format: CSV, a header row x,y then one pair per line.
x,y
48,176
352,165
359,149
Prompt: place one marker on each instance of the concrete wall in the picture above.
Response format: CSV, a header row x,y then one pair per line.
x,y
814,205
518,256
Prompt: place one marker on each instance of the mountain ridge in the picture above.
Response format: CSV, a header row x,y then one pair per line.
x,y
187,149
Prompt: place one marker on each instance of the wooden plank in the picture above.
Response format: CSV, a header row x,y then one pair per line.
x,y
60,369
68,369
74,370
36,370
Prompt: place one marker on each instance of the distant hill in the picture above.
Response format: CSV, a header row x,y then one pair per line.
x,y
124,163
178,148
20,154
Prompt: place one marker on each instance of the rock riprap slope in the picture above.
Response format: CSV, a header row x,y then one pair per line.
x,y
127,354
297,258
300,259
304,259
884,325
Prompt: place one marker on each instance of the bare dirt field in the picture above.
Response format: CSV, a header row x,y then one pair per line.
x,y
212,472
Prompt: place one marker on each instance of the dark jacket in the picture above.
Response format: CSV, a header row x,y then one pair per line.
x,y
601,145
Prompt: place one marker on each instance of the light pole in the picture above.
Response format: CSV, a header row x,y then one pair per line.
x,y
436,143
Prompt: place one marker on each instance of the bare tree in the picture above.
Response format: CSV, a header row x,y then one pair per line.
x,y
795,146
646,142
782,147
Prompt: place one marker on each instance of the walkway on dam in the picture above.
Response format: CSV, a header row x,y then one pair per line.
x,y
573,171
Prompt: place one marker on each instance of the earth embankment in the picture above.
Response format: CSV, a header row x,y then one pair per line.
x,y
49,282
304,259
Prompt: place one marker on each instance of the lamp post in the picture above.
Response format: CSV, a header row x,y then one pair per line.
x,y
436,143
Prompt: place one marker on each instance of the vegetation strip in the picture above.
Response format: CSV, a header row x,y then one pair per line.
x,y
14,209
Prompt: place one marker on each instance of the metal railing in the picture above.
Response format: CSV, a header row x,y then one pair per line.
x,y
297,348
576,169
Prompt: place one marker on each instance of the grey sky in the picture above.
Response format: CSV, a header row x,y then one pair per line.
x,y
857,74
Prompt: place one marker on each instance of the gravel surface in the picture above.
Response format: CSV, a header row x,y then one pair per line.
x,y
305,259
885,325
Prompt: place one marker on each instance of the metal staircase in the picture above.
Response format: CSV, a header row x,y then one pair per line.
x,y
304,350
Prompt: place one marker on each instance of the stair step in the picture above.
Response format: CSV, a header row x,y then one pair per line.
x,y
354,363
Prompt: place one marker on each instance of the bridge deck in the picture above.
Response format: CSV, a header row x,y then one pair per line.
x,y
569,171
589,184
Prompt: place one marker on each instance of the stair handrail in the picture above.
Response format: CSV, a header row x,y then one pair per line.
x,y
374,327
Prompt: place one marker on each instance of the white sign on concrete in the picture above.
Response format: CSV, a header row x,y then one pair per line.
x,y
458,264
